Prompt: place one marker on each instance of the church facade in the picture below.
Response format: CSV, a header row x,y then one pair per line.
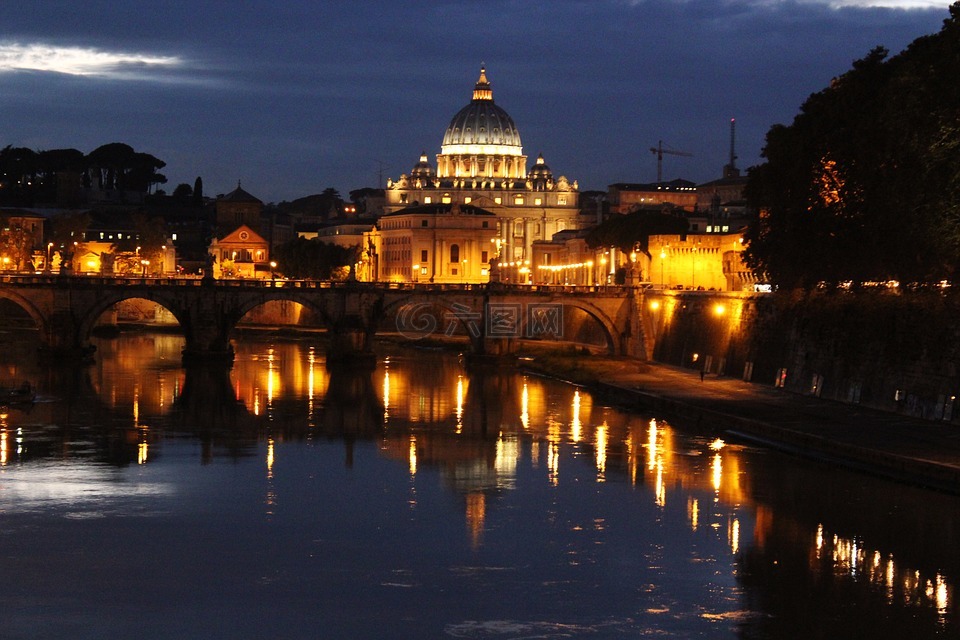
x,y
481,164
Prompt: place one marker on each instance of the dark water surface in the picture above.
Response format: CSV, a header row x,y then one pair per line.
x,y
275,500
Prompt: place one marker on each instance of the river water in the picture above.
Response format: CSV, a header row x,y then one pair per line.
x,y
277,500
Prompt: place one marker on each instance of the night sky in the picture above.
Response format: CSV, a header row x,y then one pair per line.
x,y
294,96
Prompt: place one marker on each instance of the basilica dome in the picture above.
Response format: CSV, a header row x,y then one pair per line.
x,y
482,127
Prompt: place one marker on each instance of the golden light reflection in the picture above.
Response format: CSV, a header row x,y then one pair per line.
x,y
273,378
553,463
136,405
525,406
270,458
717,467
386,394
575,425
851,557
412,455
652,445
660,491
459,403
143,447
4,447
476,516
602,451
693,510
735,536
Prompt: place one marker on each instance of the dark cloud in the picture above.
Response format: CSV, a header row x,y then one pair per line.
x,y
292,97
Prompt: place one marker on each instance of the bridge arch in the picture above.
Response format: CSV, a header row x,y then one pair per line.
x,y
423,314
38,317
104,303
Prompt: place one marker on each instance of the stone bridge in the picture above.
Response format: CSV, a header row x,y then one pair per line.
x,y
495,317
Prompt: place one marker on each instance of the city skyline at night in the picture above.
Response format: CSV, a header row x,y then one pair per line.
x,y
294,99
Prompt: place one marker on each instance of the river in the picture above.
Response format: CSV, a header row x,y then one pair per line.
x,y
426,500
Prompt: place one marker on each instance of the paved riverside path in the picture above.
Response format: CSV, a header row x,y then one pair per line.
x,y
905,448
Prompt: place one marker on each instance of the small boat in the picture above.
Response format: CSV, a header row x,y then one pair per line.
x,y
21,395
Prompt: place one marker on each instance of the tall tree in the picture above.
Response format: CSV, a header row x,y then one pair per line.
x,y
863,185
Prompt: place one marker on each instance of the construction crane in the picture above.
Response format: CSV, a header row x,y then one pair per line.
x,y
659,151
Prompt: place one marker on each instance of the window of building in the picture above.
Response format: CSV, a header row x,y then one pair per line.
x,y
485,224
484,256
423,255
454,253
561,199
538,201
403,198
498,200
427,199
446,198
424,223
518,200
467,199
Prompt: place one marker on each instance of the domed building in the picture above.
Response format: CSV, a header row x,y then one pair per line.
x,y
481,163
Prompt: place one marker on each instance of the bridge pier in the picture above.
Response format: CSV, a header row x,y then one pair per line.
x,y
64,341
351,346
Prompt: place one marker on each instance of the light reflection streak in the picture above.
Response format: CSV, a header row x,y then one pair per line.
x,y
459,403
553,463
4,447
694,510
386,393
660,491
735,536
525,406
575,426
412,454
136,404
652,445
852,558
717,473
270,458
602,451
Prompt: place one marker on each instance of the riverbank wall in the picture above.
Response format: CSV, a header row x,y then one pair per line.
x,y
885,349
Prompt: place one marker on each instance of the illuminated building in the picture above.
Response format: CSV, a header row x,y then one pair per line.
x,y
626,197
437,243
481,163
242,253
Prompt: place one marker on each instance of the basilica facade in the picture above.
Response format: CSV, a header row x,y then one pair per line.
x,y
481,164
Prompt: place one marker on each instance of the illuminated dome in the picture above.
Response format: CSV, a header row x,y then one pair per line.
x,y
481,123
422,169
482,140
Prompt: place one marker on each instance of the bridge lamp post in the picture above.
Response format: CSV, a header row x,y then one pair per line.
x,y
46,265
273,270
144,264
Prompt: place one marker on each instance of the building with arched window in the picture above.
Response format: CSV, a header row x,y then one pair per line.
x,y
481,163
437,243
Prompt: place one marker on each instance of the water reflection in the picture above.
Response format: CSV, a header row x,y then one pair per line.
x,y
690,526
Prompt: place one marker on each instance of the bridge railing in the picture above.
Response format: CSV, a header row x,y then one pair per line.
x,y
97,280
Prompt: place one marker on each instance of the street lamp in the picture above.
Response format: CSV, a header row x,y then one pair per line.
x,y
273,270
46,265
